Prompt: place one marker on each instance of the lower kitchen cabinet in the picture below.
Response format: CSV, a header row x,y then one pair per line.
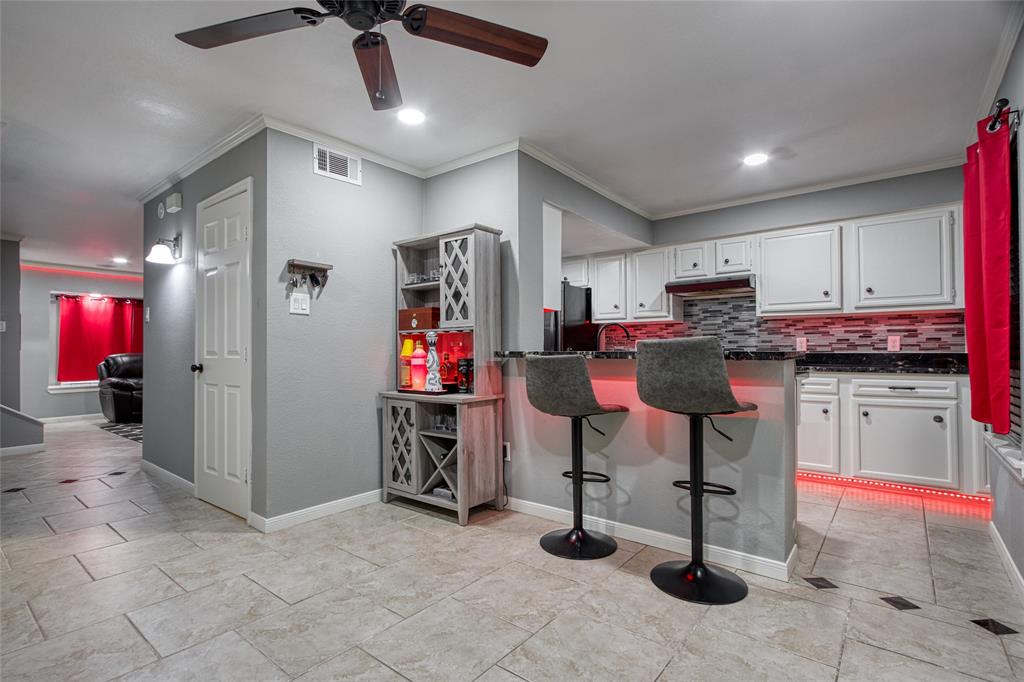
x,y
818,436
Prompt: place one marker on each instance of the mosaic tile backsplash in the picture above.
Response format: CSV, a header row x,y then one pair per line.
x,y
734,320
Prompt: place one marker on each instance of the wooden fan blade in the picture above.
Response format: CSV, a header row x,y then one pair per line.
x,y
374,57
251,27
474,34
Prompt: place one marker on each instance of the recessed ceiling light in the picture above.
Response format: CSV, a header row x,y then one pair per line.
x,y
755,159
119,260
412,117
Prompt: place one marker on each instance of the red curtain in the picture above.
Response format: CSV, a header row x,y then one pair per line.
x,y
93,328
987,210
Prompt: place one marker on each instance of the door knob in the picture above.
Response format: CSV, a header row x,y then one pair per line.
x,y
825,293
643,305
824,410
615,305
870,290
865,414
694,266
726,261
937,419
197,368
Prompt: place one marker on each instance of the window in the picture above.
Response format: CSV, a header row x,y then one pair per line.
x,y
88,328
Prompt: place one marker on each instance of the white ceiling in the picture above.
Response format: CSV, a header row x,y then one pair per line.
x,y
656,101
582,237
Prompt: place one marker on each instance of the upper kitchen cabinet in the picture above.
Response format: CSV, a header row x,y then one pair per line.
x,y
608,281
458,262
904,260
649,272
576,271
734,255
800,270
692,260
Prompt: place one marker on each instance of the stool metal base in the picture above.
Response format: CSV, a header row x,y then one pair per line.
x,y
698,582
580,544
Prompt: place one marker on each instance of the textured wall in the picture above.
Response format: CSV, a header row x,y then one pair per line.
x,y
10,312
734,320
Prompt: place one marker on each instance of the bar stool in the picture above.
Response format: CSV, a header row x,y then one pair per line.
x,y
687,376
560,385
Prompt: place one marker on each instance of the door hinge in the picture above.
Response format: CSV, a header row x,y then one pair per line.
x,y
245,354
245,474
952,218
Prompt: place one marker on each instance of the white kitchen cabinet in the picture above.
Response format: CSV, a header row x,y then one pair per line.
x,y
800,270
692,260
576,271
609,287
734,255
904,260
817,443
649,272
908,440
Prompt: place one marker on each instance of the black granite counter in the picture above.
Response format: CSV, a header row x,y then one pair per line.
x,y
888,363
631,354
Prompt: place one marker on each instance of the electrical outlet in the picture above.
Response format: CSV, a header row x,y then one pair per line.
x,y
801,343
298,304
506,449
894,343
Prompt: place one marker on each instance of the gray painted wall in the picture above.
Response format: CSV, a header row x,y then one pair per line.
x,y
10,312
881,196
36,335
170,296
17,429
323,430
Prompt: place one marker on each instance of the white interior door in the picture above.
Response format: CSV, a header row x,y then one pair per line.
x,y
223,331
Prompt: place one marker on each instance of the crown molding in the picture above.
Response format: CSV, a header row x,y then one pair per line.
x,y
1001,60
470,159
12,237
948,162
85,270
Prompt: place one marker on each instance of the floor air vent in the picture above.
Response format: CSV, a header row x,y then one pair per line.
x,y
336,165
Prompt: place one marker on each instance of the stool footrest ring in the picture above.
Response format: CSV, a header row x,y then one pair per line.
x,y
709,488
590,477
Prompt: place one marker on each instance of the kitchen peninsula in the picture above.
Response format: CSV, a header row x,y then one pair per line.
x,y
645,449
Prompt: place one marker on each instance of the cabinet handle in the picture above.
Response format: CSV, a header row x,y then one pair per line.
x,y
937,419
615,306
694,266
726,261
643,305
825,293
902,388
869,290
865,414
824,410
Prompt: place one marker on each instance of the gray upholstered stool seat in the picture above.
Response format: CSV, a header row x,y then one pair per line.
x,y
560,385
688,376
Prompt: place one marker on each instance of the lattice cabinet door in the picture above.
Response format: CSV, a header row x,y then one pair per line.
x,y
457,281
400,470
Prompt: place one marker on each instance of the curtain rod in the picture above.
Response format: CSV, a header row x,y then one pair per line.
x,y
996,114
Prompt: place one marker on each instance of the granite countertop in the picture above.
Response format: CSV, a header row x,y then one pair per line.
x,y
631,354
887,363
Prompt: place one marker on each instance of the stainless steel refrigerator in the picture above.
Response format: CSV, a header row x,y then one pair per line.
x,y
570,328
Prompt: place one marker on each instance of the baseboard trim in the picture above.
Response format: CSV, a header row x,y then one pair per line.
x,y
769,568
1004,553
71,418
29,449
166,476
294,518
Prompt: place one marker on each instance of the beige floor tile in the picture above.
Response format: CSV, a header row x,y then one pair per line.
x,y
38,551
118,494
354,665
313,631
387,544
178,623
14,531
634,603
41,509
17,628
524,596
647,558
871,664
444,527
303,576
225,658
98,652
108,561
19,585
573,647
514,522
447,642
819,493
963,545
590,572
711,655
498,674
883,503
880,546
370,516
178,521
946,645
58,490
797,587
118,511
912,580
10,501
803,627
71,608
200,569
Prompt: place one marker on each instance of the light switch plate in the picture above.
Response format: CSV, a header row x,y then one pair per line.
x,y
894,343
298,304
801,343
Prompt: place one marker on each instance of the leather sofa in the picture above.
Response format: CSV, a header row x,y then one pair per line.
x,y
120,378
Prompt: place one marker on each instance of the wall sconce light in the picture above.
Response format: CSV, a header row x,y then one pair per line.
x,y
165,251
174,203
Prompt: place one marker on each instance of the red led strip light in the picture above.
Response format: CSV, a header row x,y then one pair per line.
x,y
894,487
81,273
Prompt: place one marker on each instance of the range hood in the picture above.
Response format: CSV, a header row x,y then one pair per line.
x,y
722,286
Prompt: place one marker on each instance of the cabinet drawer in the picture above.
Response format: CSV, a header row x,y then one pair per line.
x,y
820,385
905,388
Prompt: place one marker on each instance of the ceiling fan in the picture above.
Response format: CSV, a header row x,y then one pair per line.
x,y
371,47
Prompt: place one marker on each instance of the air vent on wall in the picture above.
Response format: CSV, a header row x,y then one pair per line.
x,y
336,165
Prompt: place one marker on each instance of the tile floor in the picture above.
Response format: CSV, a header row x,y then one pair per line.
x,y
117,576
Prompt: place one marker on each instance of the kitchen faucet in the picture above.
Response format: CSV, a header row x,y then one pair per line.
x,y
600,331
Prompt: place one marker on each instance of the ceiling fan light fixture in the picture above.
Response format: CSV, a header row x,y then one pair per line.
x,y
755,159
410,116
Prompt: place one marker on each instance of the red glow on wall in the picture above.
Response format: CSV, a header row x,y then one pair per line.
x,y
80,273
888,486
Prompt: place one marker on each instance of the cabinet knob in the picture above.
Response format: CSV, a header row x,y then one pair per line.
x,y
643,305
726,261
937,419
824,410
694,266
825,293
865,414
870,290
615,305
